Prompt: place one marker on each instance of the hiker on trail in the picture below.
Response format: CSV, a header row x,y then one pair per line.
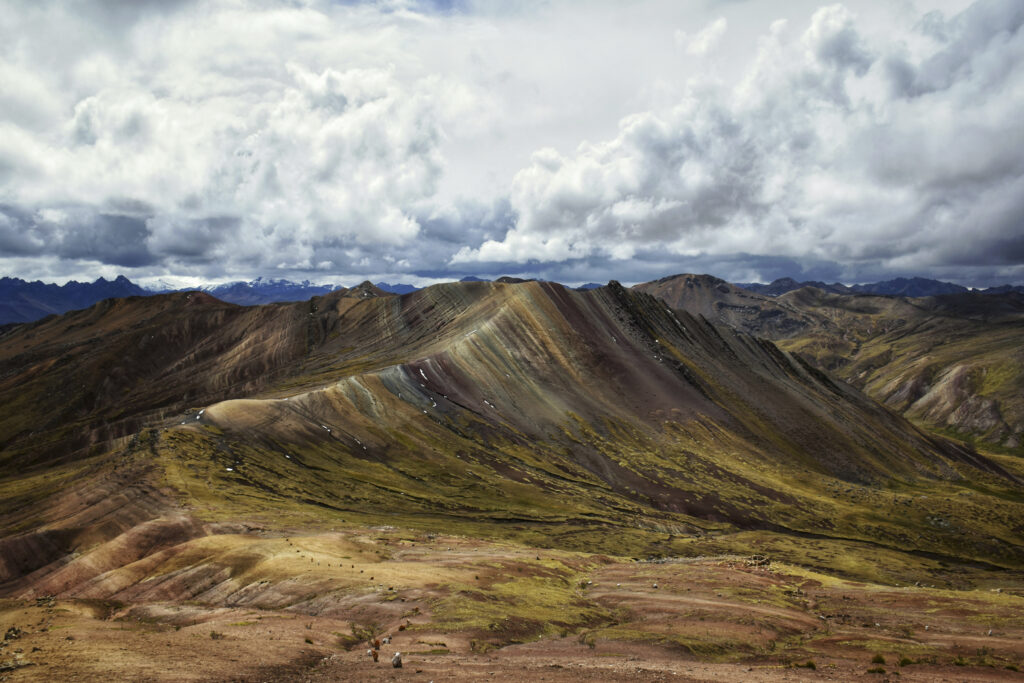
x,y
396,661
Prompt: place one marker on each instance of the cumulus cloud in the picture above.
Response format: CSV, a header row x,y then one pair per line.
x,y
832,148
222,140
342,140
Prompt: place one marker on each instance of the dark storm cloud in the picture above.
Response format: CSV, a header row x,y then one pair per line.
x,y
19,234
197,240
114,239
473,223
1009,250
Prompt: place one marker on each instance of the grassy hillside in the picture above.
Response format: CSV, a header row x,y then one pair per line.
x,y
952,363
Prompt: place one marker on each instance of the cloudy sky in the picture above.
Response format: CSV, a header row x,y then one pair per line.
x,y
412,141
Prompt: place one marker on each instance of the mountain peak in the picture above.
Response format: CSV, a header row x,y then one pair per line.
x,y
365,290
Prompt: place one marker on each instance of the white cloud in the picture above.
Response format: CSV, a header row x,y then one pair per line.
x,y
236,154
811,154
706,40
197,138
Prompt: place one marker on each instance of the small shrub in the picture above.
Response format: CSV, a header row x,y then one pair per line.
x,y
480,646
876,670
214,635
878,659
364,632
960,661
1012,667
809,664
906,661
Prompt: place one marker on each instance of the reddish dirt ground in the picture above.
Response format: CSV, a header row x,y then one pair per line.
x,y
754,624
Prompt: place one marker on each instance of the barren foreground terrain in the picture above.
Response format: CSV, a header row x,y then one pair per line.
x,y
460,609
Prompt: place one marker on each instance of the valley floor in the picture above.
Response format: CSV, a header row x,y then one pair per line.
x,y
466,610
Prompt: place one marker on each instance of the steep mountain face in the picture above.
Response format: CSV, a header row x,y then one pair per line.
x,y
524,410
101,373
22,301
717,300
952,362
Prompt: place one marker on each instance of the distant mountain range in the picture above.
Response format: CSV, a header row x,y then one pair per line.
x,y
399,288
914,287
22,301
260,291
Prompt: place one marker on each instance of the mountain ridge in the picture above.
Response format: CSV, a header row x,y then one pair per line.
x,y
951,361
606,356
22,301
